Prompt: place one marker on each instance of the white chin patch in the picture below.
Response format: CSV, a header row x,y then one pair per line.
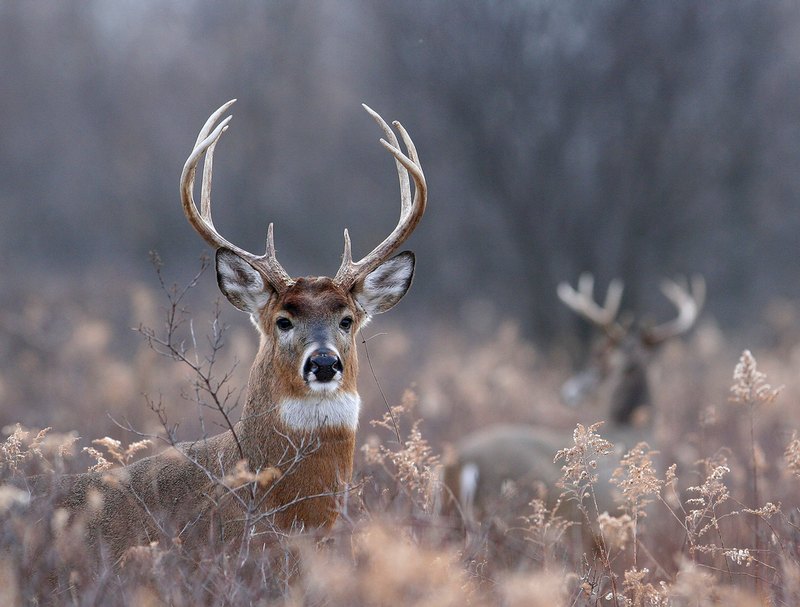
x,y
324,409
325,387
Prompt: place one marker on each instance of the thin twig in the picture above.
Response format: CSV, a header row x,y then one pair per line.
x,y
380,389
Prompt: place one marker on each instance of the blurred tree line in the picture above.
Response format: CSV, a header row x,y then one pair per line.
x,y
630,139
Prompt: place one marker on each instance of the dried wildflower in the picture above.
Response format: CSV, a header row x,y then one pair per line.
x,y
102,464
118,455
670,494
702,515
544,528
413,464
580,460
694,585
57,444
389,419
767,510
740,556
640,593
637,479
750,385
12,450
242,475
792,455
18,447
616,530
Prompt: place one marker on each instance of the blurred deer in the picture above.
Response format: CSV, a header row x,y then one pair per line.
x,y
490,462
289,459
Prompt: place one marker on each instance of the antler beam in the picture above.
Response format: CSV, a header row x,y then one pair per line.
x,y
688,300
266,264
411,211
582,302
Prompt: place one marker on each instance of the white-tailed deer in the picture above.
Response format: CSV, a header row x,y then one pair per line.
x,y
298,424
485,461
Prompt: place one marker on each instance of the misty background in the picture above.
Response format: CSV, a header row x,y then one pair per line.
x,y
633,140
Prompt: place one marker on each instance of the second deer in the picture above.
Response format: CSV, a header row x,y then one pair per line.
x,y
488,462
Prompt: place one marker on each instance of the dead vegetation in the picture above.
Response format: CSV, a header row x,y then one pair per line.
x,y
712,519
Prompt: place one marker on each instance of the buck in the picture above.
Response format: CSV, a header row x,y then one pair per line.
x,y
296,435
488,461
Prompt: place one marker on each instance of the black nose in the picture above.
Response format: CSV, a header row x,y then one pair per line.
x,y
323,364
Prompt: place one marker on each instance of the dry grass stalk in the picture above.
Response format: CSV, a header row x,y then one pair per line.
x,y
413,464
750,388
792,454
118,455
20,447
546,531
637,479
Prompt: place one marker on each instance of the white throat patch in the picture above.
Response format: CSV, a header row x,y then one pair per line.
x,y
322,411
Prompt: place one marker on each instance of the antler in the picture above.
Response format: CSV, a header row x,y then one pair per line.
x,y
582,302
266,264
688,300
411,212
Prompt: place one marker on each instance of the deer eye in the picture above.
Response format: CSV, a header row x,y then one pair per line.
x,y
346,323
284,324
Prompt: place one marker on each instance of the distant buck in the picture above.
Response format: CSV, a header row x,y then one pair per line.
x,y
298,425
485,461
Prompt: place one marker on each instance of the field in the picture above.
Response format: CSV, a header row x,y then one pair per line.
x,y
709,516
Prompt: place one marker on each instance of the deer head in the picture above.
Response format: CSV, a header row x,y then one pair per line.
x,y
618,362
306,365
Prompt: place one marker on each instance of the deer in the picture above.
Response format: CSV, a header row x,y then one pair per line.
x,y
296,436
487,463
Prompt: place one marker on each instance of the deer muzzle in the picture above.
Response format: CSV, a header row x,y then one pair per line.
x,y
322,365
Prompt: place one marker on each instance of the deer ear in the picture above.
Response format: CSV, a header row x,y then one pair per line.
x,y
382,288
241,283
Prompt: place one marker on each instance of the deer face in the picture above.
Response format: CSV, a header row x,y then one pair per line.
x,y
308,331
616,374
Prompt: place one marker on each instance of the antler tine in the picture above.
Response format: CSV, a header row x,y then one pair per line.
x,y
201,220
582,302
405,184
613,298
411,211
688,302
698,286
205,187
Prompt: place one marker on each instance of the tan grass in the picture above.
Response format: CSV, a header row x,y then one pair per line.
x,y
691,530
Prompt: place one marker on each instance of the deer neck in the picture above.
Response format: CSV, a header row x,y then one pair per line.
x,y
276,420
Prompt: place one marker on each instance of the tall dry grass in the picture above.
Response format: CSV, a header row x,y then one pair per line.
x,y
707,516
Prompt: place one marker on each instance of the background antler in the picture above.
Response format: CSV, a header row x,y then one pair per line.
x,y
582,302
266,264
411,212
688,300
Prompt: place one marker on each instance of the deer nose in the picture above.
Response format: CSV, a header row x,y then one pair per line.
x,y
324,364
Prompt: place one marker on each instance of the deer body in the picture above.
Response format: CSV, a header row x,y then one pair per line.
x,y
176,494
295,441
